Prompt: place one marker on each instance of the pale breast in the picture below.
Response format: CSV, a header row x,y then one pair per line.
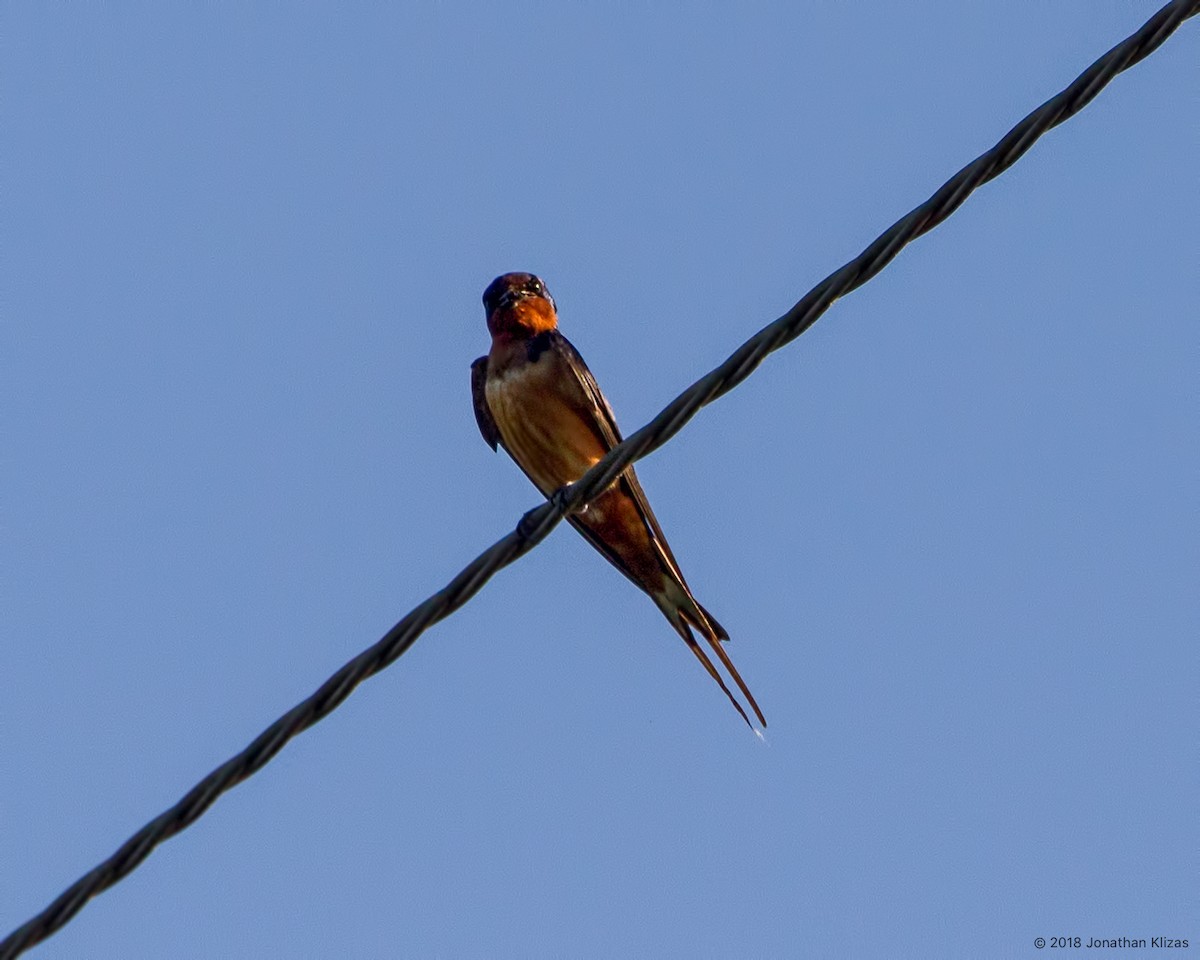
x,y
541,414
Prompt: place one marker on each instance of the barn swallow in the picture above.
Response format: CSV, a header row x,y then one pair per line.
x,y
535,397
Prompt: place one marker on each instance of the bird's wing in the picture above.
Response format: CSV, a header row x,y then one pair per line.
x,y
688,612
601,418
483,413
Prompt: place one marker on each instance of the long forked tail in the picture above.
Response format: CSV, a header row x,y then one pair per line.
x,y
681,618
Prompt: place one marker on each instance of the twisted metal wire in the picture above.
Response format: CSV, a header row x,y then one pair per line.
x,y
535,525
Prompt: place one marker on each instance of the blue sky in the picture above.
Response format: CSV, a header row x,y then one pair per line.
x,y
952,530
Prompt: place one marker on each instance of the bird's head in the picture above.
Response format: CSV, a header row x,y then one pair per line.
x,y
519,305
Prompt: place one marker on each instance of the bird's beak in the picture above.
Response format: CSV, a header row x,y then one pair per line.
x,y
511,296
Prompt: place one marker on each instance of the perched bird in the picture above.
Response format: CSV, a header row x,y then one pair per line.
x,y
535,397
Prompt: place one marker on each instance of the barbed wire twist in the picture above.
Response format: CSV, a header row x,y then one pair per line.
x,y
537,523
